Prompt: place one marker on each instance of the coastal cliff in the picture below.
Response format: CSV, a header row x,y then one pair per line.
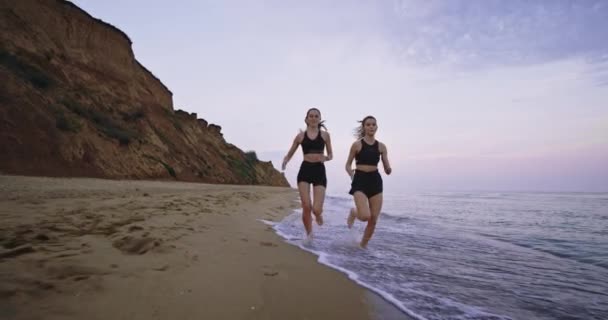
x,y
74,101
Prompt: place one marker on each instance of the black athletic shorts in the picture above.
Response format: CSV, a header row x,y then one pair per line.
x,y
313,173
370,183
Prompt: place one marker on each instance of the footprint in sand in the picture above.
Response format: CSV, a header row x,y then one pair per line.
x,y
135,228
44,285
267,244
42,237
131,245
73,272
163,268
269,271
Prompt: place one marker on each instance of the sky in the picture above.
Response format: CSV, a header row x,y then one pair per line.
x,y
469,95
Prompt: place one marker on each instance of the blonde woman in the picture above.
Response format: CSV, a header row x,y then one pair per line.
x,y
366,186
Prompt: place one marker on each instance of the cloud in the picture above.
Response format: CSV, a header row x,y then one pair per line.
x,y
494,32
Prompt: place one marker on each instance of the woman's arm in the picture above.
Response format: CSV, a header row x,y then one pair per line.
x,y
330,152
351,155
385,162
294,146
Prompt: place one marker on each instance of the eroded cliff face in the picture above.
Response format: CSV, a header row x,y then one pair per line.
x,y
74,101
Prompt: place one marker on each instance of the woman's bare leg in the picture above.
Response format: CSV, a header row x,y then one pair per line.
x,y
318,200
304,189
375,206
362,211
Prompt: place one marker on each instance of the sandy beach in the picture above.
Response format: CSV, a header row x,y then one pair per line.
x,y
106,249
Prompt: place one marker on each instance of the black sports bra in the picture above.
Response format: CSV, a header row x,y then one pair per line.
x,y
313,146
369,154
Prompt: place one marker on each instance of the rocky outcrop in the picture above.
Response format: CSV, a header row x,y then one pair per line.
x,y
74,101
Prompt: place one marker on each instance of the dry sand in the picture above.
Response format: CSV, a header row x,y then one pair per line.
x,y
103,249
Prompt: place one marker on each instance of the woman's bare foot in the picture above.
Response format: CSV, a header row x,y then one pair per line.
x,y
351,218
308,240
319,219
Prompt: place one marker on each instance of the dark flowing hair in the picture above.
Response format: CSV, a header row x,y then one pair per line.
x,y
359,131
321,123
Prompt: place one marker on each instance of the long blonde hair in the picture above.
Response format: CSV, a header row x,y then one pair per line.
x,y
359,131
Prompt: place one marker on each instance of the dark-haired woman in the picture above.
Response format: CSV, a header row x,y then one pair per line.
x,y
314,142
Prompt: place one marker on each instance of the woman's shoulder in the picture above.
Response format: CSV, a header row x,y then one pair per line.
x,y
381,146
324,134
300,136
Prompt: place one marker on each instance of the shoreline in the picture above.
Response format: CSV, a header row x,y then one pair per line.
x,y
143,249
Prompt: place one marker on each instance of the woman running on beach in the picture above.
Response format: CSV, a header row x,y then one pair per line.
x,y
366,186
314,141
